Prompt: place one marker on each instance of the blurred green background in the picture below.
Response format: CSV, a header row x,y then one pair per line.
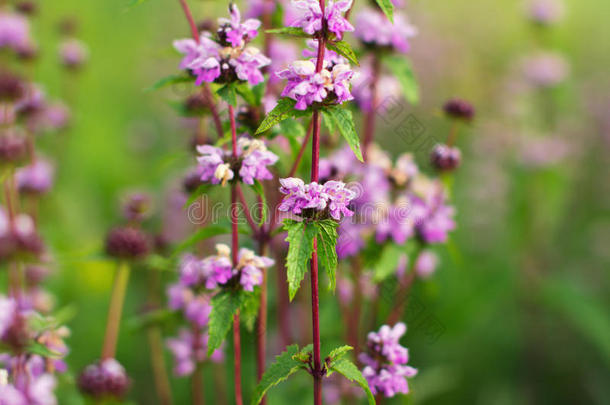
x,y
522,292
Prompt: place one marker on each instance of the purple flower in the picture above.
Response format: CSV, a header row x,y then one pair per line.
x,y
426,263
234,32
37,178
73,53
385,361
397,222
545,12
434,225
387,86
306,87
281,54
104,379
229,59
330,57
9,395
188,351
546,69
310,19
218,269
198,310
257,8
374,29
254,157
14,31
250,267
332,197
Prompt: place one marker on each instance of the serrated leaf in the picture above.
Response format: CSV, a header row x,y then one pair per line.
x,y
260,191
327,252
304,355
344,49
300,238
290,31
283,110
402,69
388,262
228,94
338,352
292,129
347,369
171,79
388,9
283,367
225,305
343,120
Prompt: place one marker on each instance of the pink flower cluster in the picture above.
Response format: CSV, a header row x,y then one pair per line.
x,y
189,349
385,361
311,18
301,199
374,29
306,87
216,165
14,31
228,57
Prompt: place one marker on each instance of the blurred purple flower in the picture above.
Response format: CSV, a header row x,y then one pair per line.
x,y
14,31
374,29
37,178
188,351
73,53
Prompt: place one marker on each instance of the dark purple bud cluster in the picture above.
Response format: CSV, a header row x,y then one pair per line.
x,y
459,109
445,157
106,379
127,243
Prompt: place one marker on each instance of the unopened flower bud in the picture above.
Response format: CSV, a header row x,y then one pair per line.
x,y
445,158
459,109
127,243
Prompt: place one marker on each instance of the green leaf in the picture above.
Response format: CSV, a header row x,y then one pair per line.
x,y
202,234
260,191
347,369
227,93
388,262
291,128
283,110
337,353
327,252
402,69
225,305
300,238
202,189
42,350
283,367
156,317
388,9
344,49
343,120
172,79
248,94
249,308
290,31
135,3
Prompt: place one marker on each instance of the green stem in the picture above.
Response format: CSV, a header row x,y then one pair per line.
x,y
117,299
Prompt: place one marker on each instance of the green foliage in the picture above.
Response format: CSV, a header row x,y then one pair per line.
x,y
347,369
200,234
201,190
42,350
169,80
402,69
151,318
300,237
249,308
290,31
387,263
292,129
225,305
343,120
134,3
260,191
283,110
253,96
344,49
338,353
388,8
327,253
284,366
228,93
